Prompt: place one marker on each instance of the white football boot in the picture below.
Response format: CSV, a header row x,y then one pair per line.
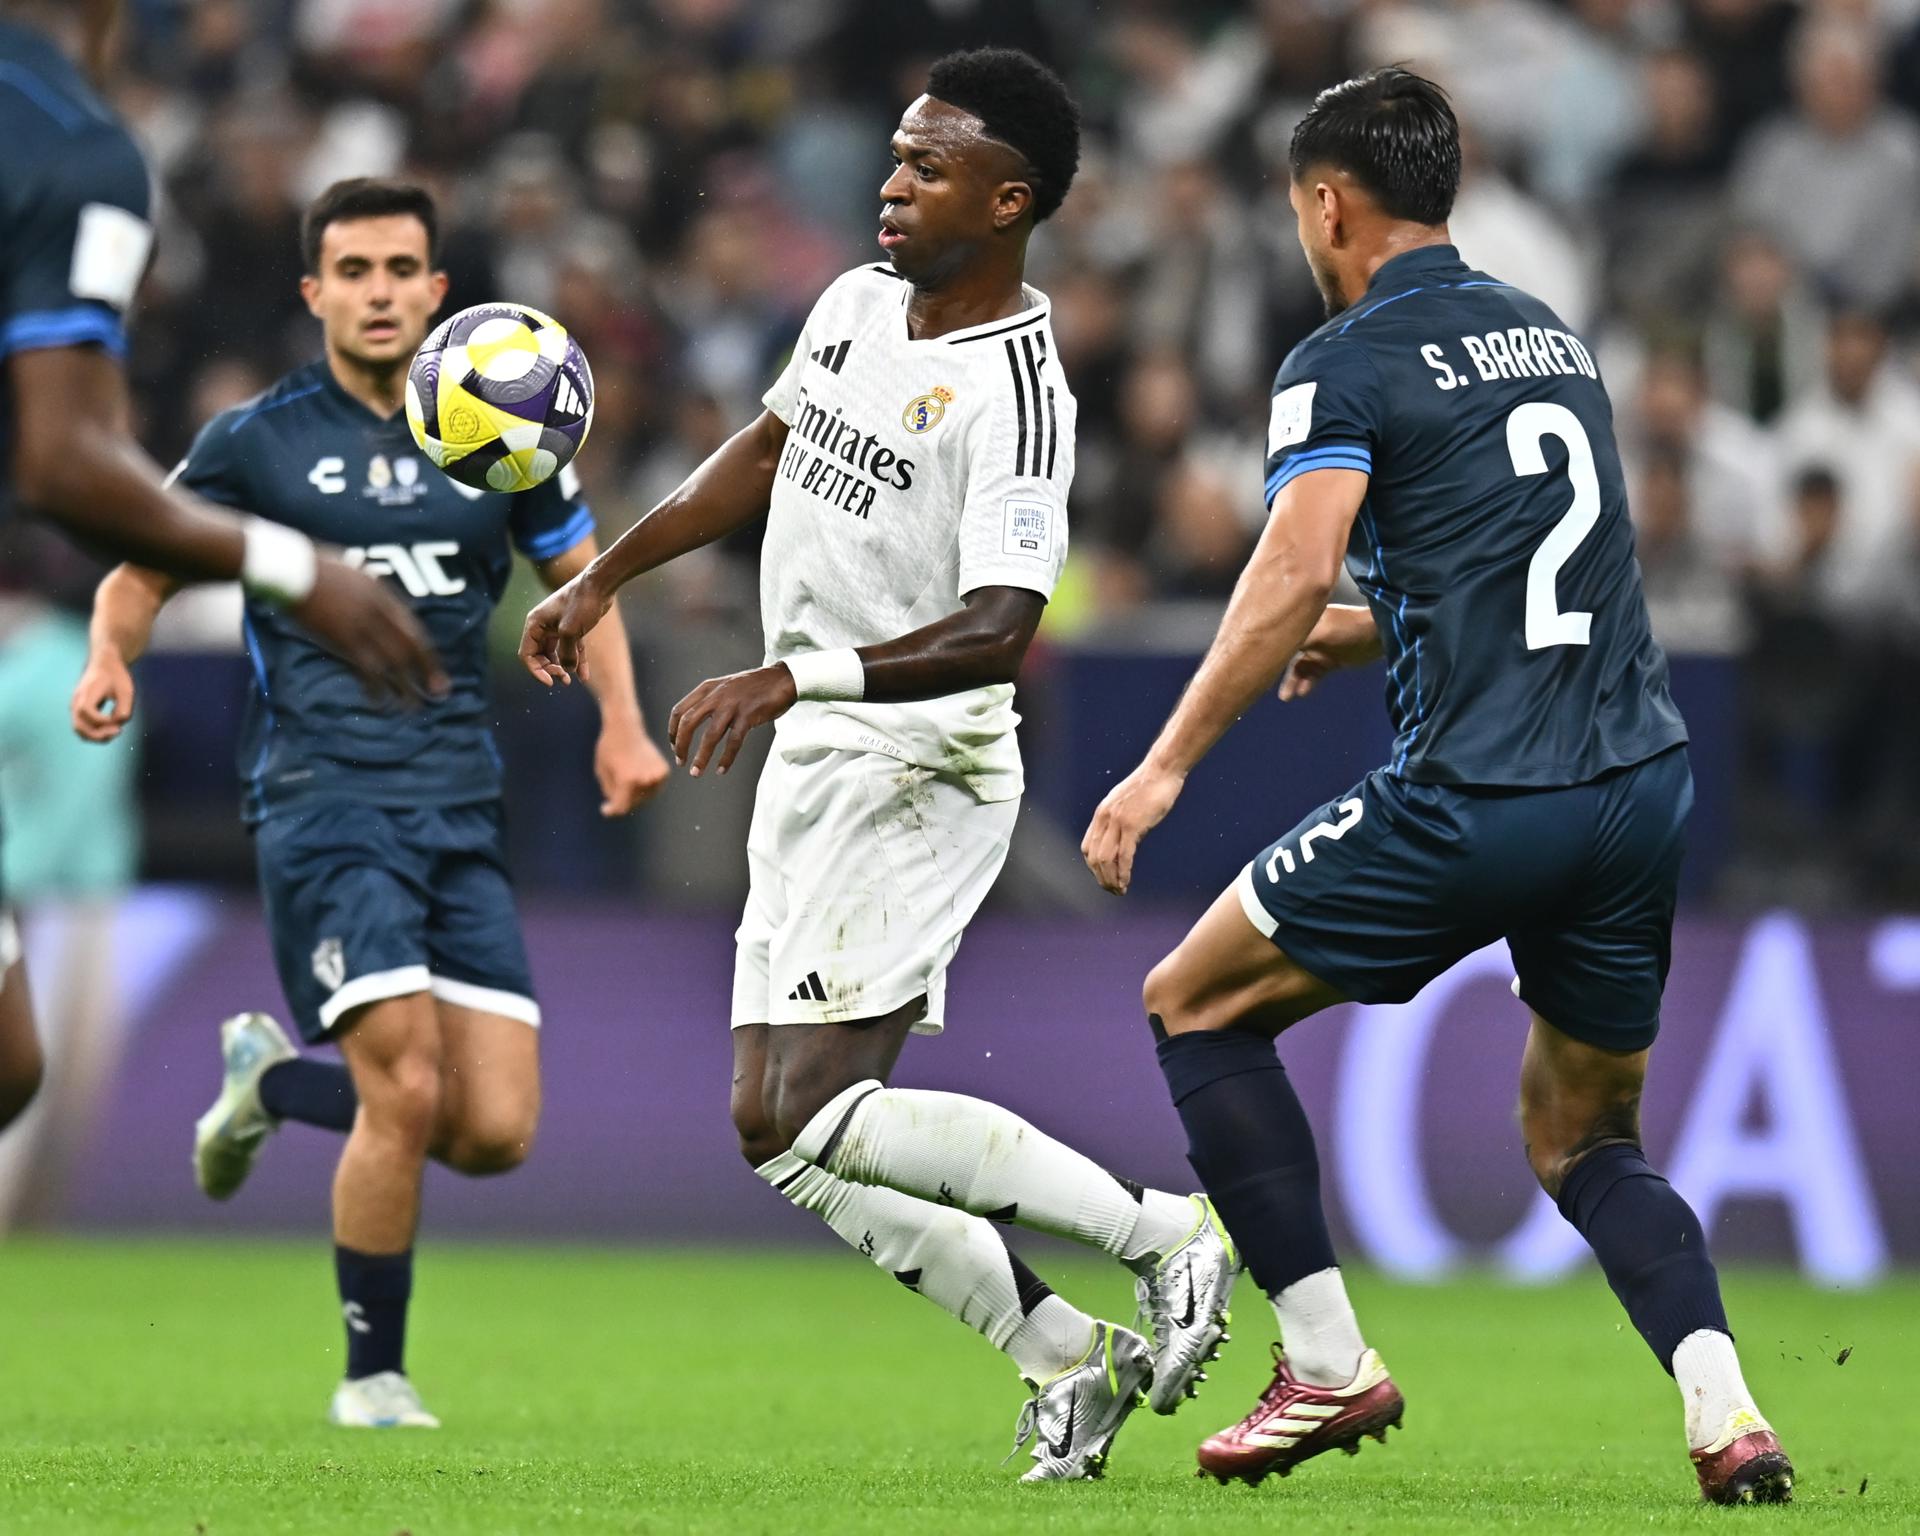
x,y
1183,1297
1078,1413
384,1401
228,1137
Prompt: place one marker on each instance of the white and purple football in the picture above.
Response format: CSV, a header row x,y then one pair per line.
x,y
500,397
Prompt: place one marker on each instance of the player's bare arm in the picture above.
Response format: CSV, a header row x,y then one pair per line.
x,y
125,604
75,463
1276,604
728,491
983,644
1346,636
629,767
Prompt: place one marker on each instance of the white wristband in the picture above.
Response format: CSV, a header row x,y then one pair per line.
x,y
280,563
828,674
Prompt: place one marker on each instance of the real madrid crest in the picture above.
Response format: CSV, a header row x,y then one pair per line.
x,y
924,412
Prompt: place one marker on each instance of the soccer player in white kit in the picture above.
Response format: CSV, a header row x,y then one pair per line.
x,y
913,463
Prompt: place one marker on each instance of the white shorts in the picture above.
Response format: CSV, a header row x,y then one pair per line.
x,y
863,874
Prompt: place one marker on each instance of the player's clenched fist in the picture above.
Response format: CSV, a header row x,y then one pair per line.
x,y
1344,636
553,644
103,698
728,707
1132,809
629,767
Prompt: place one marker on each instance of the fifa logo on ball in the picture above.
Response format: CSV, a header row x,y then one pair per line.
x,y
500,397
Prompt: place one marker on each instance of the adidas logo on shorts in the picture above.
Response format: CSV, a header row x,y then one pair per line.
x,y
809,991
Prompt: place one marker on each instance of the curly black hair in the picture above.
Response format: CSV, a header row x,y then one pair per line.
x,y
1394,132
1023,104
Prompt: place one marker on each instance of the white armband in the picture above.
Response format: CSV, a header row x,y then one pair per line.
x,y
280,563
828,674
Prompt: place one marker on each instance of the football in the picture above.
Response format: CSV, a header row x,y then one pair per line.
x,y
500,397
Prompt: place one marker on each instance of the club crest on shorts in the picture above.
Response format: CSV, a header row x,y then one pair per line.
x,y
923,413
330,964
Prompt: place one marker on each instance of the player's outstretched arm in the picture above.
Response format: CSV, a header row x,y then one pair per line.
x,y
1346,636
75,463
125,604
629,767
984,643
1278,600
728,491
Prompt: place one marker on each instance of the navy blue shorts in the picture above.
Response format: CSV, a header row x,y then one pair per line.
x,y
369,902
1378,892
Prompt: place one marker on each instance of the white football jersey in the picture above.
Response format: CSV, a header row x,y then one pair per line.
x,y
915,472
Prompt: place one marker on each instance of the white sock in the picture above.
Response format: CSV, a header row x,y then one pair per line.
x,y
1053,1336
956,1261
961,1151
1318,1331
1707,1371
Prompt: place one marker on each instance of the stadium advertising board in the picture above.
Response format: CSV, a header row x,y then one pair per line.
x,y
1781,1101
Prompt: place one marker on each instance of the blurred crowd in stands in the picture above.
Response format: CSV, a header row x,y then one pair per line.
x,y
1723,196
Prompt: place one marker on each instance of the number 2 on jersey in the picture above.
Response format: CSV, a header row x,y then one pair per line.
x,y
1526,428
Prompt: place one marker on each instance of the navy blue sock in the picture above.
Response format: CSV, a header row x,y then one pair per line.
x,y
1249,1141
312,1092
374,1288
1650,1245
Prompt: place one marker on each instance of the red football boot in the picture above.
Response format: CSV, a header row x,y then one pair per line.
x,y
1745,1465
1294,1420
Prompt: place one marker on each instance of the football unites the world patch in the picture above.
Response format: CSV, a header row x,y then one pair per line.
x,y
923,412
500,397
1027,528
1292,417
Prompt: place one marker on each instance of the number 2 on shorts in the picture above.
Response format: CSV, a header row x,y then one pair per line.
x,y
1350,814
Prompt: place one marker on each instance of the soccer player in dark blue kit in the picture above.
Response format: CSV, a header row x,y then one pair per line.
x,y
1450,439
379,833
74,240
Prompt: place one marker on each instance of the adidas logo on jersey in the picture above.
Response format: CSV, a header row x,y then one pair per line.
x,y
832,355
809,991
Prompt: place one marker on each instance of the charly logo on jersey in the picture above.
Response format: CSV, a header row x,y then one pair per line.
x,y
923,412
391,482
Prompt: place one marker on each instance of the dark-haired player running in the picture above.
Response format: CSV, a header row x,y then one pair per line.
x,y
74,241
916,453
380,836
1449,437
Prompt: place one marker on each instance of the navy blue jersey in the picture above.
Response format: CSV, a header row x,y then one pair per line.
x,y
307,454
1493,545
74,233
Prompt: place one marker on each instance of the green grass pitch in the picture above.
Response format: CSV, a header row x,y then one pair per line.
x,y
179,1389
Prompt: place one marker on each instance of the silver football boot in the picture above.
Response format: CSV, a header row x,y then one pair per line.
x,y
228,1137
1077,1413
1183,1296
385,1401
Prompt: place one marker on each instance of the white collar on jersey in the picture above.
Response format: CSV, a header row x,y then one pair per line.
x,y
1037,308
